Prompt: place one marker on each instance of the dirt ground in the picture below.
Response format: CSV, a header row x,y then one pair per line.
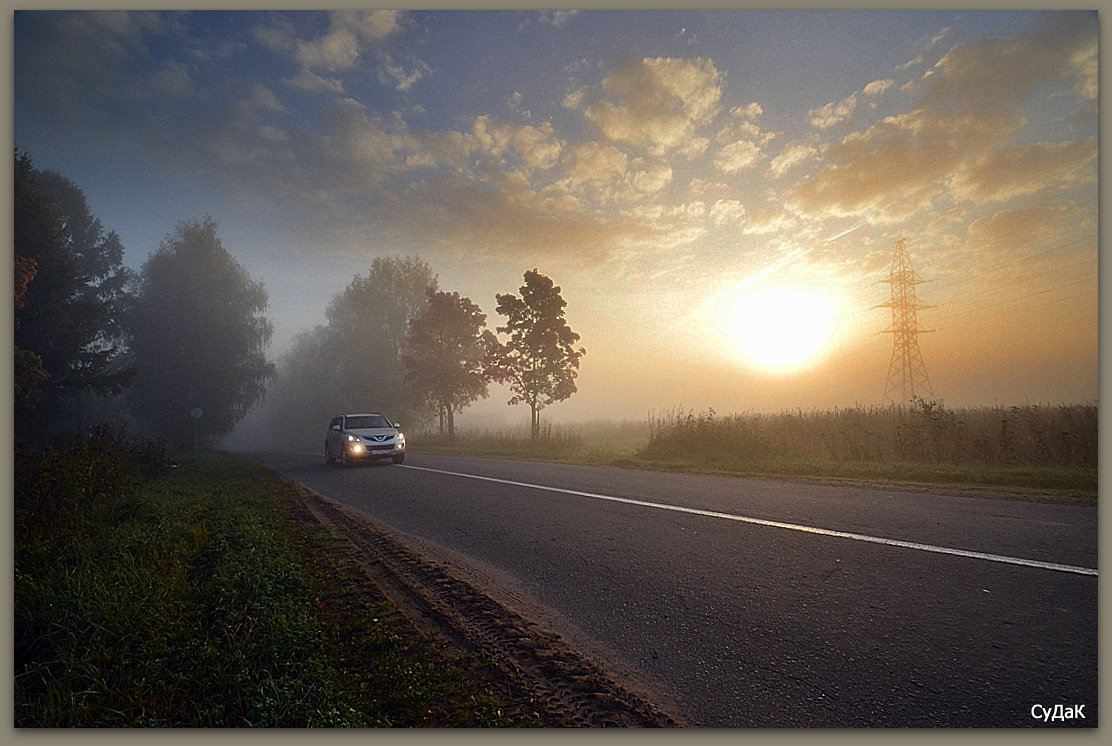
x,y
468,607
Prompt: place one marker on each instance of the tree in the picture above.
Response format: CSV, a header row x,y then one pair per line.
x,y
367,326
448,346
540,361
198,337
28,373
352,362
67,320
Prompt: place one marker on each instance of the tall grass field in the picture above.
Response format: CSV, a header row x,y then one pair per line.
x,y
1041,447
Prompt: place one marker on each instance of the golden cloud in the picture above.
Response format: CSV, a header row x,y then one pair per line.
x,y
656,103
455,215
1003,231
1028,169
954,144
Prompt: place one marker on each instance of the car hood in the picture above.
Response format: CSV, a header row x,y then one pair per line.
x,y
367,432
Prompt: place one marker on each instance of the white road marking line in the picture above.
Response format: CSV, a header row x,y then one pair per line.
x,y
778,524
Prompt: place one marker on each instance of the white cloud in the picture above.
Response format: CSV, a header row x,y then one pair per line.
x,y
309,82
539,146
727,212
833,113
653,179
393,74
556,18
594,163
655,103
768,221
737,156
348,35
877,87
791,156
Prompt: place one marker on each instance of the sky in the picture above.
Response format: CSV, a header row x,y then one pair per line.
x,y
719,194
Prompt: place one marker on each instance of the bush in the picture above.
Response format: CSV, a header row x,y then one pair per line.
x,y
57,484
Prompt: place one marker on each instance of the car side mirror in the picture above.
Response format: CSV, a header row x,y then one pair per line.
x,y
336,428
397,425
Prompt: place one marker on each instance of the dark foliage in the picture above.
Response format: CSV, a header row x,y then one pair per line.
x,y
448,349
57,484
198,338
70,294
540,361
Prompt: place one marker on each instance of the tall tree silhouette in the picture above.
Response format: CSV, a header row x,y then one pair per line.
x,y
72,292
540,361
446,359
198,337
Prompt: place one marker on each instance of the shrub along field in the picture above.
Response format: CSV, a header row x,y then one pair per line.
x,y
193,596
1020,447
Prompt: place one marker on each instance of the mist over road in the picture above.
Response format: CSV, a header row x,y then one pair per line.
x,y
761,602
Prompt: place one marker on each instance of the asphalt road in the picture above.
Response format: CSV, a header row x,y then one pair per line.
x,y
768,603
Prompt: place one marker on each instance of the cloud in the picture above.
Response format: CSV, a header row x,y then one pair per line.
x,y
1013,172
130,24
452,215
594,163
955,144
556,18
876,88
727,212
172,81
655,103
833,113
791,156
768,220
1005,231
537,147
1004,71
894,167
741,139
737,156
396,75
309,82
349,33
653,178
352,39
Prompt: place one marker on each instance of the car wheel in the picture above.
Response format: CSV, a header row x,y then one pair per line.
x,y
327,456
399,459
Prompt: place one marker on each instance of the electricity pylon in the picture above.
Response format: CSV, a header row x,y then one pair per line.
x,y
907,375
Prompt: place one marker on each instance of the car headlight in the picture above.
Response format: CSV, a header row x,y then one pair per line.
x,y
401,440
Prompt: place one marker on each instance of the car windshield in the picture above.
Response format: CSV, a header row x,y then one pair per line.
x,y
363,422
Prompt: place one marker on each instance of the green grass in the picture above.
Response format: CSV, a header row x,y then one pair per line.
x,y
1074,481
201,599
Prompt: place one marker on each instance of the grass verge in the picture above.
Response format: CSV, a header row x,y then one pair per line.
x,y
626,448
201,598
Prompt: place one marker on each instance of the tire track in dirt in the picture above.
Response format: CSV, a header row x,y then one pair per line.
x,y
440,601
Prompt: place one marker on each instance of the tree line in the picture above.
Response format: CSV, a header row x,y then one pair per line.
x,y
178,348
393,339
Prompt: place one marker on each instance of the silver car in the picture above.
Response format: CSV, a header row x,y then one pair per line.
x,y
362,437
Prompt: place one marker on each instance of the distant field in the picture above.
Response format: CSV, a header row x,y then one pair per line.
x,y
1031,447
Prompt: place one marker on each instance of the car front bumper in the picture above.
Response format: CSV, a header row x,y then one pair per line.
x,y
373,451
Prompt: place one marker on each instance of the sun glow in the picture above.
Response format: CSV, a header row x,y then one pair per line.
x,y
779,329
